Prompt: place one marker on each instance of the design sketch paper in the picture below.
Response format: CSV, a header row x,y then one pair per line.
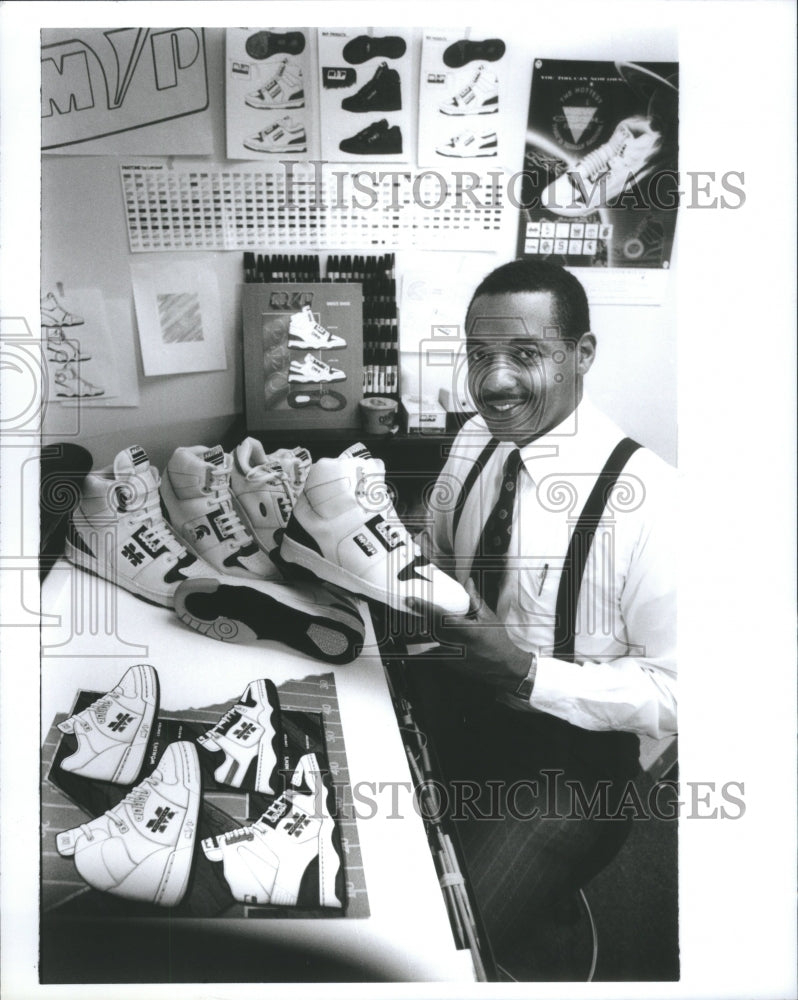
x,y
179,318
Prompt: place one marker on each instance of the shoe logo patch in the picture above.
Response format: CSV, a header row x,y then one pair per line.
x,y
363,543
245,730
297,825
139,535
200,532
285,508
163,816
131,553
385,533
226,724
121,722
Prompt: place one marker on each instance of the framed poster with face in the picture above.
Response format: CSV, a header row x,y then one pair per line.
x,y
303,355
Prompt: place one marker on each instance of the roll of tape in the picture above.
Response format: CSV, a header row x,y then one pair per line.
x,y
379,414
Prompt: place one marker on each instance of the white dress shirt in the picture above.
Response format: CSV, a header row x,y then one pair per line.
x,y
624,674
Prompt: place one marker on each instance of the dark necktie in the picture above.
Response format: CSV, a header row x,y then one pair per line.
x,y
495,537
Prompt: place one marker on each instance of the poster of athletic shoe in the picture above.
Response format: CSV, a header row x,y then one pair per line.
x,y
303,355
600,176
82,362
268,94
364,94
461,99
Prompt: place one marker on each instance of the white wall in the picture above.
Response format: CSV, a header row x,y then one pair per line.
x,y
84,244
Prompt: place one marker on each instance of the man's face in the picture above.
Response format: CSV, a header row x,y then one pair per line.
x,y
522,375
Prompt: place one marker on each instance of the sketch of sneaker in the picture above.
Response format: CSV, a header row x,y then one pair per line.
x,y
54,314
605,172
305,332
63,349
479,97
143,848
466,144
266,863
248,737
113,732
281,136
70,385
283,90
313,369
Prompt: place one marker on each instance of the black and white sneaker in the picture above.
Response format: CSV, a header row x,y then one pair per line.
x,y
282,136
382,93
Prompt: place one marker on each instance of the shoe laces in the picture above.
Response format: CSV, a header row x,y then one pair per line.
x,y
157,533
100,707
229,523
226,721
135,800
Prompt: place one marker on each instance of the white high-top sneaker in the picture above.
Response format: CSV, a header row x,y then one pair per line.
x,y
143,848
196,494
479,97
117,531
264,488
113,732
248,737
282,90
265,863
305,332
344,529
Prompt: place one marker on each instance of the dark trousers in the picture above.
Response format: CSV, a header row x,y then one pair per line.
x,y
535,802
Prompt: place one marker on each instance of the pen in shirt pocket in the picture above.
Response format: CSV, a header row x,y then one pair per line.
x,y
542,580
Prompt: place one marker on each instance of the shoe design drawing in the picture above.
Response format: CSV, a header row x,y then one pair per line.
x,y
605,172
304,332
377,139
313,369
143,848
283,90
54,314
466,144
195,491
64,349
479,97
279,137
117,531
365,47
69,385
248,737
263,44
344,529
112,733
266,863
381,93
305,617
465,51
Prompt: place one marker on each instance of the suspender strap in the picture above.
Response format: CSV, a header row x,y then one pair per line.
x,y
579,548
471,478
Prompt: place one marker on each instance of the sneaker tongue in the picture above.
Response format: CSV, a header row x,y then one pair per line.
x,y
214,455
356,451
131,461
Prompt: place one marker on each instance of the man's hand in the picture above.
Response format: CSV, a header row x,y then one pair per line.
x,y
481,646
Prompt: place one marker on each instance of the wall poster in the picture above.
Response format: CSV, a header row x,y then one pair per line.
x,y
599,185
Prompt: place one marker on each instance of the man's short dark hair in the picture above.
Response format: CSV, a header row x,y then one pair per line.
x,y
571,308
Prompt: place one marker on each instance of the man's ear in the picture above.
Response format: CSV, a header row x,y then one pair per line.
x,y
585,353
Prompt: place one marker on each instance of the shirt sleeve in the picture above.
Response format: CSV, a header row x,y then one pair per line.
x,y
634,692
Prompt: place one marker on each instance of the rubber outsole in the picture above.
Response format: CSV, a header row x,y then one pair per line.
x,y
263,44
363,48
460,53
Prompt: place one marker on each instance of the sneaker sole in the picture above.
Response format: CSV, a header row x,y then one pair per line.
x,y
263,44
303,345
456,113
275,149
464,156
363,48
233,613
90,565
463,52
298,102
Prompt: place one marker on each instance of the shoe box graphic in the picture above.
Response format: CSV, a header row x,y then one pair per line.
x,y
303,351
268,97
139,848
364,91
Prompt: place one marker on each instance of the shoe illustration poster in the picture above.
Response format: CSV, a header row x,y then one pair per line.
x,y
82,366
266,93
460,116
599,186
303,355
364,94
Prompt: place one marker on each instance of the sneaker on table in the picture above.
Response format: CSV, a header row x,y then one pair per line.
x,y
248,738
304,616
264,488
113,732
117,531
265,863
345,530
195,490
143,848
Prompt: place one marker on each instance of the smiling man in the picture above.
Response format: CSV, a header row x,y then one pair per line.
x,y
559,529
